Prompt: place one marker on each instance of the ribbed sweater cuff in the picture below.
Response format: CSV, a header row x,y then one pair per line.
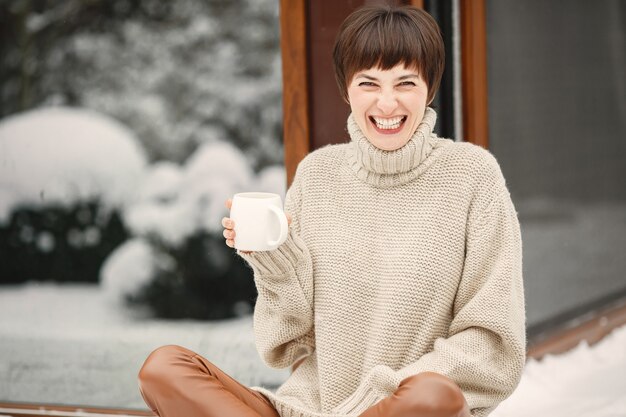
x,y
362,399
381,382
280,261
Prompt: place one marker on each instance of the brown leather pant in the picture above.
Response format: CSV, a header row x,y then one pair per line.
x,y
176,382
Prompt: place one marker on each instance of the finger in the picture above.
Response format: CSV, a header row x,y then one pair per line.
x,y
230,243
229,203
288,218
228,223
229,234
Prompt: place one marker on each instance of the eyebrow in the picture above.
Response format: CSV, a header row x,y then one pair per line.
x,y
401,78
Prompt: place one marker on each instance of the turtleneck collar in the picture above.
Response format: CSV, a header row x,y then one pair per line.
x,y
390,168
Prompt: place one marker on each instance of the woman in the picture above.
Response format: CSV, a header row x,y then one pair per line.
x,y
399,289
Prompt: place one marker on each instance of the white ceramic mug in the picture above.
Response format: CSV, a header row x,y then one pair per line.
x,y
260,222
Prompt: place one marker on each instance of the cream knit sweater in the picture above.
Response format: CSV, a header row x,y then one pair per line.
x,y
397,263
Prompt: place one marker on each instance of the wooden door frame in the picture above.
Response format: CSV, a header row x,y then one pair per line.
x,y
293,44
474,72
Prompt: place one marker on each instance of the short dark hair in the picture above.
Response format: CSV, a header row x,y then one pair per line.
x,y
385,36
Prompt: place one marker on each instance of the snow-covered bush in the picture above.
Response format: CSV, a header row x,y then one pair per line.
x,y
129,269
65,175
272,179
177,202
74,185
186,268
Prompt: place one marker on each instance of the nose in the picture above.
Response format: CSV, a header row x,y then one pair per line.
x,y
387,102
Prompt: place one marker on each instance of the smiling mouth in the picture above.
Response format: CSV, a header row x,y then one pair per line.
x,y
388,126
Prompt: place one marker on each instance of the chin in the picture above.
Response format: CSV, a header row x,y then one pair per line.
x,y
384,146
389,144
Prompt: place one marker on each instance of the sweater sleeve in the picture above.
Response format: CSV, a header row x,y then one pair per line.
x,y
283,313
484,351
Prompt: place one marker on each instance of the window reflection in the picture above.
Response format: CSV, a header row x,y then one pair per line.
x,y
556,114
124,127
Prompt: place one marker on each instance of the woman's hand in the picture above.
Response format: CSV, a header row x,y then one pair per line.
x,y
229,227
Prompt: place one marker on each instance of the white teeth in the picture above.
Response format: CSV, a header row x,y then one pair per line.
x,y
392,123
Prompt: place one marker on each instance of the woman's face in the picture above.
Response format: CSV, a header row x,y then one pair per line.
x,y
388,105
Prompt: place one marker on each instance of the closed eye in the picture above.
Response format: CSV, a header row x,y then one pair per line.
x,y
367,84
407,84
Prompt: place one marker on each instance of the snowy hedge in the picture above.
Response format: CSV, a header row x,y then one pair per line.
x,y
65,176
177,263
75,186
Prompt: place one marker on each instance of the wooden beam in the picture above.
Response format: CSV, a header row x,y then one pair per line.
x,y
474,72
37,410
592,328
293,43
417,3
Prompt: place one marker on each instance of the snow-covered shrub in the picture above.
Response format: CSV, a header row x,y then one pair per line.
x,y
186,268
58,242
202,279
272,179
128,270
174,203
65,175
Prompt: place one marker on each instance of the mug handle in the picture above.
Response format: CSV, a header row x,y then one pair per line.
x,y
284,227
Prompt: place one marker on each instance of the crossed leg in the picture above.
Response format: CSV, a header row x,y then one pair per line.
x,y
175,382
427,394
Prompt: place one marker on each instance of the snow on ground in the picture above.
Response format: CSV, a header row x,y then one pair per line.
x,y
586,381
67,344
